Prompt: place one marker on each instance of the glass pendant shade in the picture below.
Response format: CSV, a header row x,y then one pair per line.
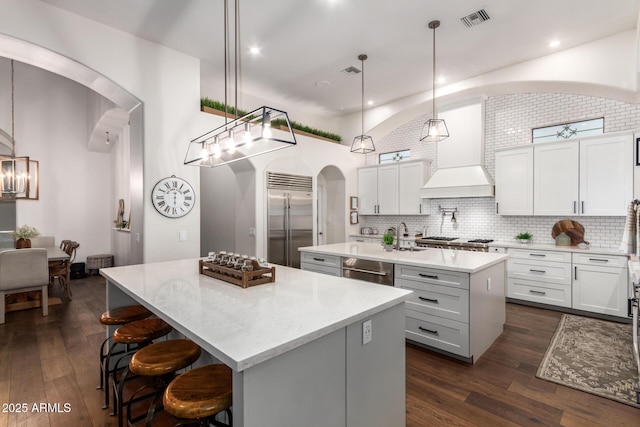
x,y
258,132
362,144
434,130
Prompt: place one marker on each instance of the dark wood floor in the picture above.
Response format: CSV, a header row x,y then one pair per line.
x,y
53,360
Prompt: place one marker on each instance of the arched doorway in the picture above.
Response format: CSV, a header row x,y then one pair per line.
x,y
331,206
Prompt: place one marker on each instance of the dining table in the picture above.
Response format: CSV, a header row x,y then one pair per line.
x,y
33,299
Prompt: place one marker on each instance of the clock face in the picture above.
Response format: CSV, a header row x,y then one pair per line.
x,y
173,197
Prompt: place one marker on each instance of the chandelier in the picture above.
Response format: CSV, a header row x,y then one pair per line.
x,y
261,131
18,174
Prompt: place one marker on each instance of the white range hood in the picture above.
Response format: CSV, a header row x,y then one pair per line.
x,y
460,170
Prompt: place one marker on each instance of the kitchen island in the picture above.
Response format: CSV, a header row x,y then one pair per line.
x,y
295,345
457,305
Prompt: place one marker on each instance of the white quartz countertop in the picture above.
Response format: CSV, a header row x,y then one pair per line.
x,y
552,247
244,327
445,259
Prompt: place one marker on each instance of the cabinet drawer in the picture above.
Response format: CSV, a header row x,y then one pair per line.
x,y
540,255
600,260
433,276
442,301
538,292
321,259
324,269
444,334
540,271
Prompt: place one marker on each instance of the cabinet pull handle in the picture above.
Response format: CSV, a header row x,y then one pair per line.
x,y
322,259
574,206
575,272
435,301
428,330
428,276
537,255
537,292
537,271
360,270
497,207
598,259
582,206
420,208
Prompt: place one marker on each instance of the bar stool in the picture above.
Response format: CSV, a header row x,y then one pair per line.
x,y
139,332
161,361
116,317
196,396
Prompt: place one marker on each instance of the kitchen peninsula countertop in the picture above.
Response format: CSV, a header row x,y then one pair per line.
x,y
244,327
552,247
445,259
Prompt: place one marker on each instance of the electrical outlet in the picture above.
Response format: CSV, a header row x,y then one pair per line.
x,y
182,235
367,334
252,231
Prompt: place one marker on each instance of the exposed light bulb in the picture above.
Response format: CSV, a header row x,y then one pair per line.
x,y
433,131
204,153
248,141
216,150
266,126
231,143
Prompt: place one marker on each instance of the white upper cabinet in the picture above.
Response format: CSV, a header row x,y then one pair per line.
x,y
393,189
411,178
368,190
514,181
555,178
591,177
606,175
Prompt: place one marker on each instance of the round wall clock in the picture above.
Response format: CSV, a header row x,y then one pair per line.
x,y
173,197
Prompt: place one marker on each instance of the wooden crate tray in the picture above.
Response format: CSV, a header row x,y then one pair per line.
x,y
258,276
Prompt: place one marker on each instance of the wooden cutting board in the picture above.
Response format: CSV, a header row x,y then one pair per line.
x,y
571,228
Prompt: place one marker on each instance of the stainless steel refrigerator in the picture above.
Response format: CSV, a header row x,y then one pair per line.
x,y
289,217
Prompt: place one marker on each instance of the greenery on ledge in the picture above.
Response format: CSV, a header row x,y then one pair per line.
x,y
216,105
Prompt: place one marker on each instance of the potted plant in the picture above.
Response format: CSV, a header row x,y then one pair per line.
x,y
524,237
387,239
23,236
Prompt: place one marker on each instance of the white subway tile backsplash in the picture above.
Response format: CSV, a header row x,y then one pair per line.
x,y
508,122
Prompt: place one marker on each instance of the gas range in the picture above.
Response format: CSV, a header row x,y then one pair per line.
x,y
440,242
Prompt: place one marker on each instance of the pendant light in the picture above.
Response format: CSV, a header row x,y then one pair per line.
x,y
362,143
19,175
246,136
434,129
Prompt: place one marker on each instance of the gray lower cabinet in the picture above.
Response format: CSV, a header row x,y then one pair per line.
x,y
326,264
459,313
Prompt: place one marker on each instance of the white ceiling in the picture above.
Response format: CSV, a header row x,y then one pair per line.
x,y
306,41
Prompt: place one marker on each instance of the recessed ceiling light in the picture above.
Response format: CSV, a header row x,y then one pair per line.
x,y
554,43
323,83
254,50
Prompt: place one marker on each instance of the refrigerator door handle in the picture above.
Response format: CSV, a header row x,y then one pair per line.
x,y
288,230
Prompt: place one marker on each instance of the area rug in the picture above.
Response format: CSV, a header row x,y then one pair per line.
x,y
593,355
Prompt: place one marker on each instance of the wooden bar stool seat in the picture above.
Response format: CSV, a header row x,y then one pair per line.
x,y
200,394
161,360
122,315
115,317
139,332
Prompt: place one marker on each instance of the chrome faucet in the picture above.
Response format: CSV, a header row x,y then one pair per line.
x,y
399,233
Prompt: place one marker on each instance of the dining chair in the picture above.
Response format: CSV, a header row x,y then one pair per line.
x,y
24,270
61,269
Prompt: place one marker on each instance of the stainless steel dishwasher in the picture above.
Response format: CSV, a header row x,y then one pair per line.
x,y
367,270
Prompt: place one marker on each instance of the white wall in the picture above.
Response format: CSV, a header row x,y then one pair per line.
x,y
75,184
166,81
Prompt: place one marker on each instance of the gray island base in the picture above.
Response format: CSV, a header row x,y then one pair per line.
x,y
295,345
457,304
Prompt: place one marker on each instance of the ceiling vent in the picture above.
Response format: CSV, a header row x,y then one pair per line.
x,y
475,18
351,71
